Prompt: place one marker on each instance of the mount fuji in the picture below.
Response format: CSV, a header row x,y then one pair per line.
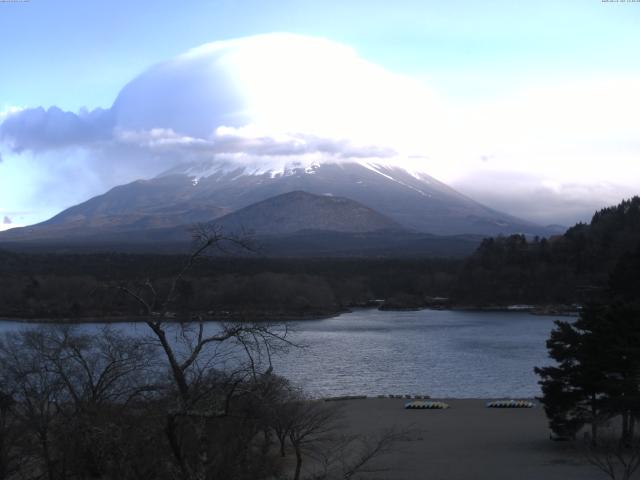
x,y
367,197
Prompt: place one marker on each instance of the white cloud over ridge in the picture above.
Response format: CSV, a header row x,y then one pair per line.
x,y
249,141
261,100
268,100
542,200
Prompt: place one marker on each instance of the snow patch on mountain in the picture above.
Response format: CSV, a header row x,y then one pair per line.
x,y
306,165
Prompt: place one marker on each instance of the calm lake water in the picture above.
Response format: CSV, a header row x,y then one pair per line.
x,y
438,353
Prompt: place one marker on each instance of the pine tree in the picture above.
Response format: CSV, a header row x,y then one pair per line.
x,y
597,376
572,389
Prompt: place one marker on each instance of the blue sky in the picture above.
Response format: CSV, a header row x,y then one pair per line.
x,y
479,56
78,53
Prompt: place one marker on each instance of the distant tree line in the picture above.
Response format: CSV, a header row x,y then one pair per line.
x,y
574,267
76,286
565,269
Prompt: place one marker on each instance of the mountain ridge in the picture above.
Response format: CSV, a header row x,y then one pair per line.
x,y
172,201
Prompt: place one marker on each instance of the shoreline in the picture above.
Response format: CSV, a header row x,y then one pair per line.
x,y
540,310
407,398
543,310
110,319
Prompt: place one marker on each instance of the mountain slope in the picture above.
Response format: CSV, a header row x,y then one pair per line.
x,y
298,211
138,206
415,200
203,192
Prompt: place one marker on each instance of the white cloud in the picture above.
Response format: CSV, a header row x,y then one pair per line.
x,y
251,141
553,153
582,130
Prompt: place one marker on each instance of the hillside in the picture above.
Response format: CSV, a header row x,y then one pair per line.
x,y
298,211
572,267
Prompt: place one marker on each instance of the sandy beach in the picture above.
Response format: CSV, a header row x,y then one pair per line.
x,y
468,441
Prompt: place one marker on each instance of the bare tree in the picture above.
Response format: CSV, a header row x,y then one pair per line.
x,y
283,411
618,458
191,349
195,356
69,392
311,423
352,455
37,392
313,428
9,434
108,368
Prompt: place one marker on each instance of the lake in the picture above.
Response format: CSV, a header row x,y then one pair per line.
x,y
461,354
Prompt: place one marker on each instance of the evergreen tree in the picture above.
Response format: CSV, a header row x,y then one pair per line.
x,y
572,389
597,376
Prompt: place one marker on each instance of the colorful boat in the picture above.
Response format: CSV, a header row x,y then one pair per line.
x,y
510,404
425,405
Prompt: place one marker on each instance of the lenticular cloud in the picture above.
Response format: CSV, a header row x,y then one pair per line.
x,y
271,96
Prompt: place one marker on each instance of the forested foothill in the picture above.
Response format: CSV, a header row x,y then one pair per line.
x,y
571,268
551,273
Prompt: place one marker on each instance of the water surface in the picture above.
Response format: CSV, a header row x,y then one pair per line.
x,y
439,353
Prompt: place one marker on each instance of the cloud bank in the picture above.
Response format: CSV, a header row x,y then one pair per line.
x,y
37,129
539,199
